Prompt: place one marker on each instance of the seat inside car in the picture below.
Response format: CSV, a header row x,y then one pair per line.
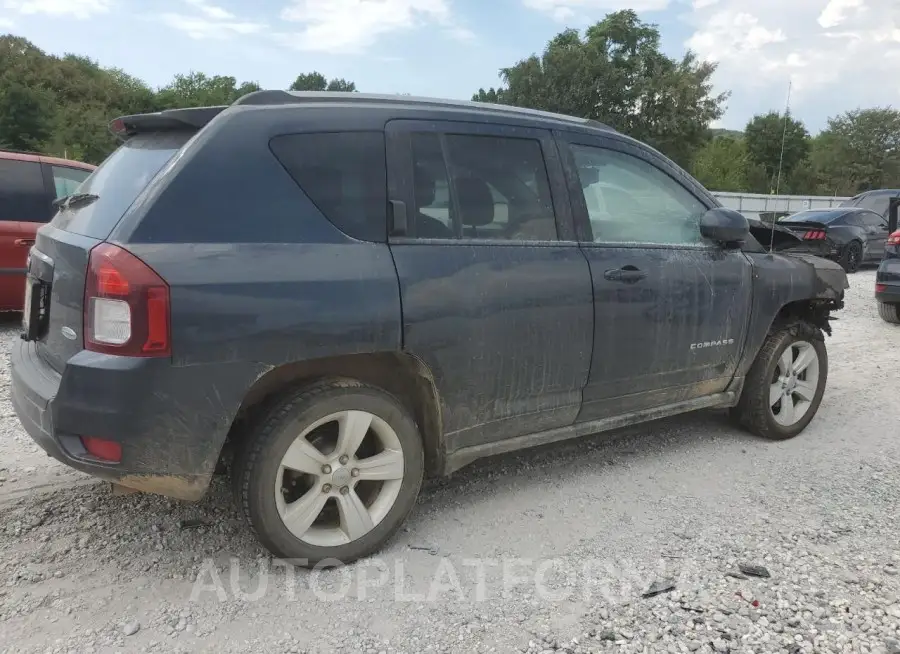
x,y
476,204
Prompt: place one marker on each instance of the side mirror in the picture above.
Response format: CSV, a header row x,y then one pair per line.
x,y
724,225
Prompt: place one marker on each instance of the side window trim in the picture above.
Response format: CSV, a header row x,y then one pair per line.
x,y
579,205
398,135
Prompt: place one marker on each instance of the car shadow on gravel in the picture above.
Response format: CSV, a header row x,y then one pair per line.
x,y
143,534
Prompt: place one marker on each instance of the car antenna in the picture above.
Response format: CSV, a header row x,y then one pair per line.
x,y
787,116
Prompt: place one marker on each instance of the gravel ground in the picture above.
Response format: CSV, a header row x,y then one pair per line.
x,y
546,550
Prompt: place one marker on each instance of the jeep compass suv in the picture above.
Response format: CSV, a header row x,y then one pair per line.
x,y
338,294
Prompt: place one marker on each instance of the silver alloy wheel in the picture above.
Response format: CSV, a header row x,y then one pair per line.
x,y
794,384
337,476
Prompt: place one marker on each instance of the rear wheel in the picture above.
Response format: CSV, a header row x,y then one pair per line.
x,y
889,312
784,387
330,473
851,257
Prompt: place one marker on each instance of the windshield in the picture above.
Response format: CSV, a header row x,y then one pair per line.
x,y
118,182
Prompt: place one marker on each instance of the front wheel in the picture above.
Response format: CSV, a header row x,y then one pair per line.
x,y
330,473
784,387
889,312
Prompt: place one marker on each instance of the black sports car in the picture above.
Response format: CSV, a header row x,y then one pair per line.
x,y
851,236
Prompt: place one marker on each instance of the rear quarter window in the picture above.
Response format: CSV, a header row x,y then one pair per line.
x,y
343,174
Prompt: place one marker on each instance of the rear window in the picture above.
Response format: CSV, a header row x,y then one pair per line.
x,y
343,173
118,182
877,202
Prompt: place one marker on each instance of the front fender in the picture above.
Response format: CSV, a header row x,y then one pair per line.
x,y
781,280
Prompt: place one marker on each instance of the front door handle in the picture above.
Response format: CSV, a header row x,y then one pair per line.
x,y
627,275
24,242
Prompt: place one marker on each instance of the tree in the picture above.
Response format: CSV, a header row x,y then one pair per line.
x,y
492,95
200,90
315,81
859,150
721,165
341,85
26,115
764,136
618,75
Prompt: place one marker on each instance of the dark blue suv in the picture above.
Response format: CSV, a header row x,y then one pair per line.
x,y
334,295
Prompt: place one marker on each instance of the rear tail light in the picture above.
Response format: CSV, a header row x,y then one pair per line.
x,y
894,238
126,305
101,448
880,288
814,235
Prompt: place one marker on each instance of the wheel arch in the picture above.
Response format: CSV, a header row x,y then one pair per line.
x,y
401,374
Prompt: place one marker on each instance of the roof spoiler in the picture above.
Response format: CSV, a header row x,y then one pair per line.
x,y
169,120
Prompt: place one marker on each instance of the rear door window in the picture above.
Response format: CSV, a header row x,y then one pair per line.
x,y
496,188
22,194
343,173
118,182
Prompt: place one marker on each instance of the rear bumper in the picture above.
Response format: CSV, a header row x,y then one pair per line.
x,y
891,294
170,432
888,275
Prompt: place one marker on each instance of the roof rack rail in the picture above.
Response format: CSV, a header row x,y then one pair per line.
x,y
275,97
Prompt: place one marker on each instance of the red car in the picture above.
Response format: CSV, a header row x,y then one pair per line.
x,y
29,183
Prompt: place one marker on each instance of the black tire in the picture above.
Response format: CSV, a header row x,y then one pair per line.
x,y
258,461
753,410
889,312
851,257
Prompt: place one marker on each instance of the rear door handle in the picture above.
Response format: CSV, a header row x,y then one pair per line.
x,y
627,275
24,242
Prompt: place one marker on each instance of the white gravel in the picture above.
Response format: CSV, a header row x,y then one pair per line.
x,y
546,550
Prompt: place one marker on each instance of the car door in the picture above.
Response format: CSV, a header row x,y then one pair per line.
x,y
23,206
670,308
495,292
876,234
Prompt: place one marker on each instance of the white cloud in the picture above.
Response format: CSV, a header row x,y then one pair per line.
x,y
198,27
836,11
6,24
210,22
211,11
591,9
839,54
72,8
350,26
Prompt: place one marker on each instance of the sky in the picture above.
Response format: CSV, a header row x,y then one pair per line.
x,y
837,55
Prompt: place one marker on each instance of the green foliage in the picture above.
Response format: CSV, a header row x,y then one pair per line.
x,y
493,96
721,165
614,72
764,136
315,81
618,75
200,90
859,150
63,105
25,115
